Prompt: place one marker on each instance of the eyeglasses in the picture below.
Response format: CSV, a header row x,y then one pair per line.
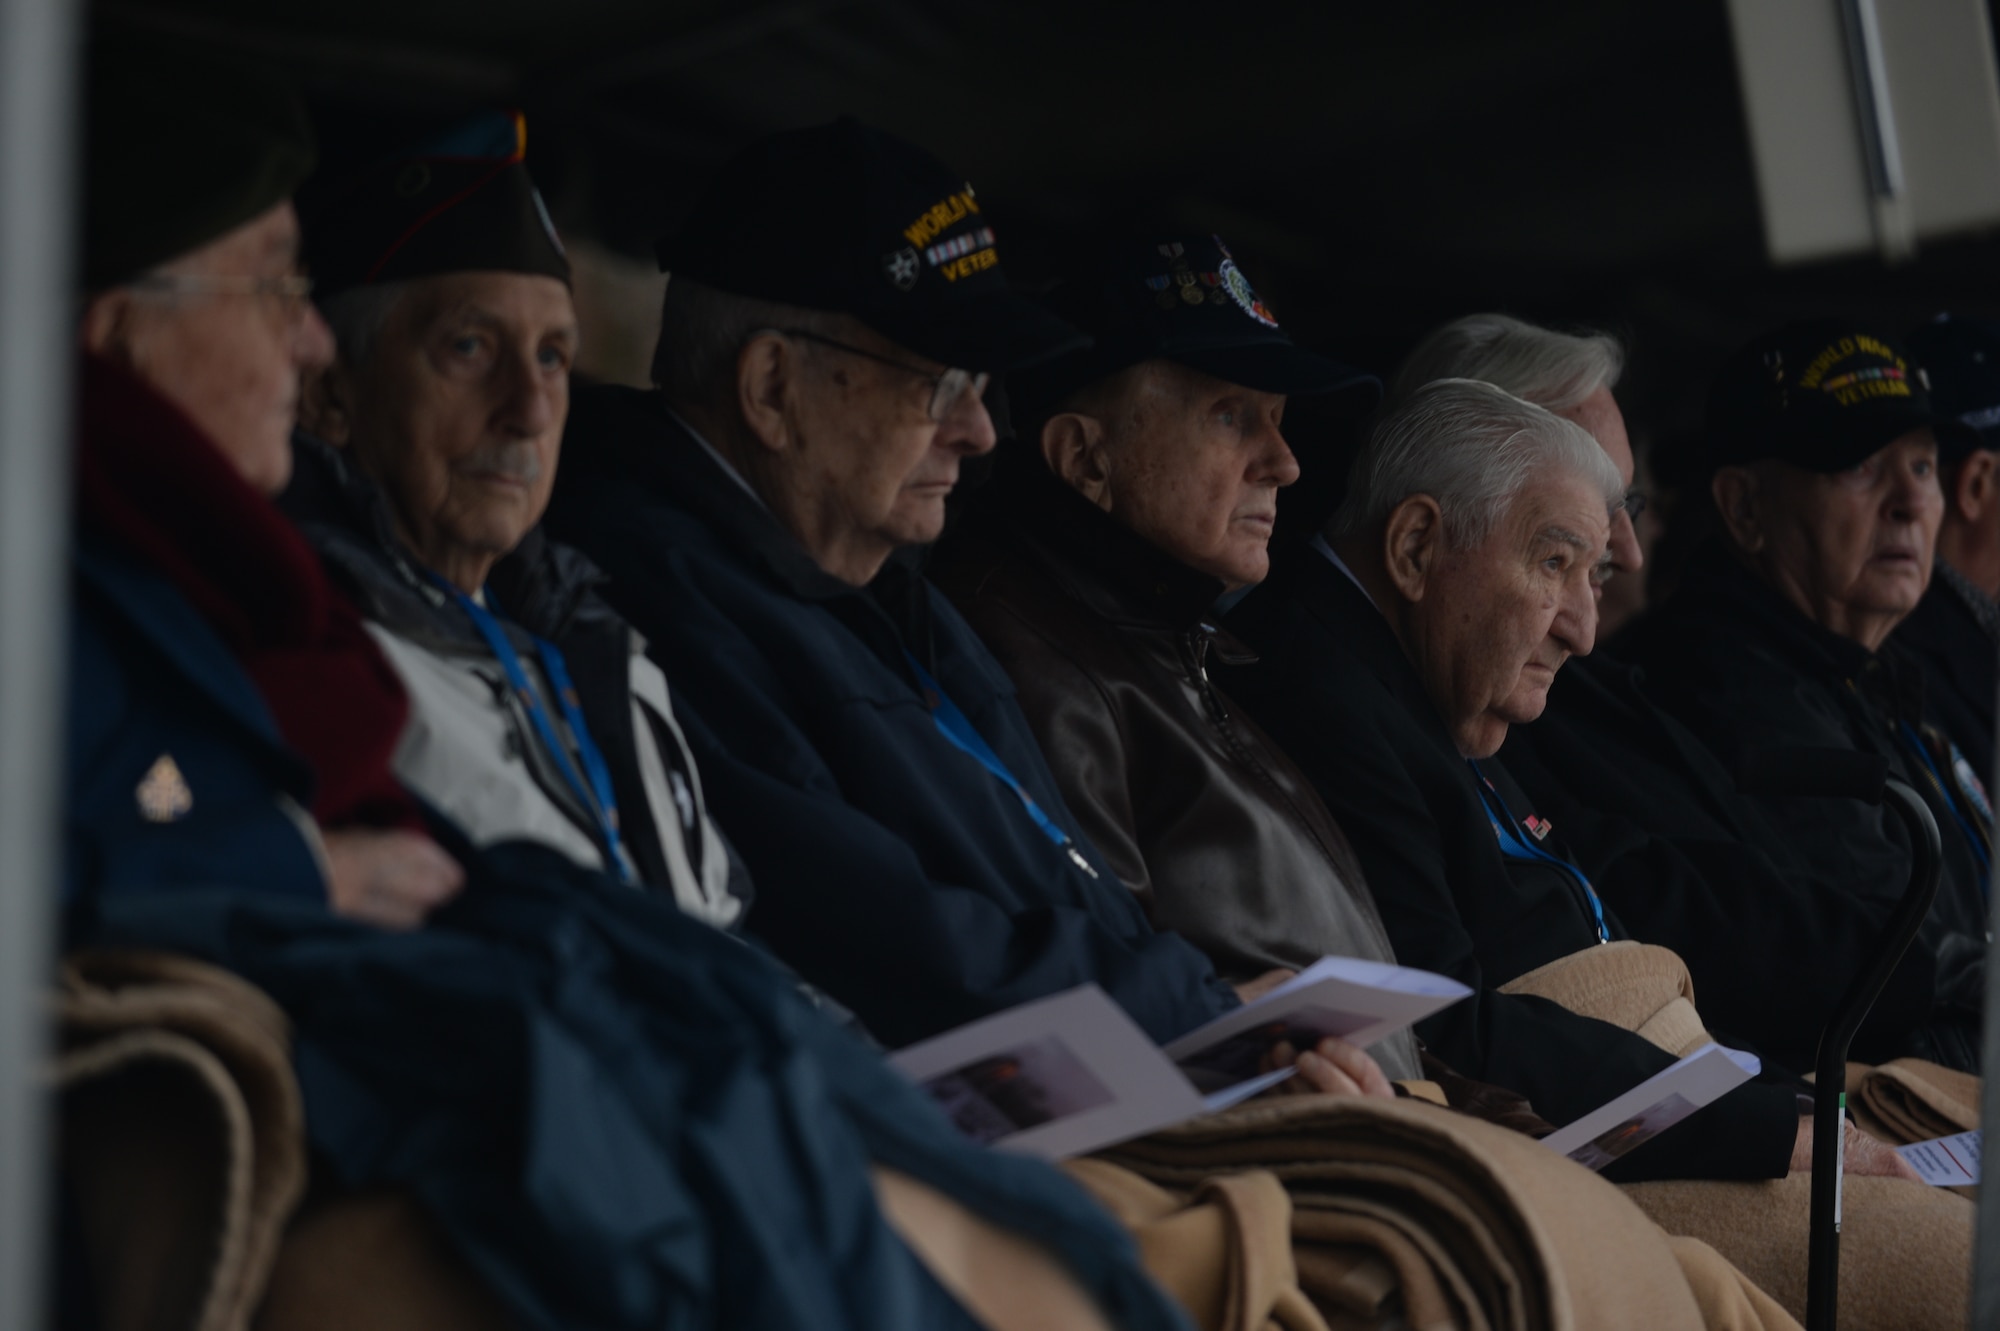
x,y
1635,504
293,290
948,389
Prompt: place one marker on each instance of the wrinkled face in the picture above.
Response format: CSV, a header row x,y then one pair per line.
x,y
1599,415
1854,549
864,448
1498,619
458,412
1195,465
230,360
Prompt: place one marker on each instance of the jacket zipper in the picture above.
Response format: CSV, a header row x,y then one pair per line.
x,y
1196,644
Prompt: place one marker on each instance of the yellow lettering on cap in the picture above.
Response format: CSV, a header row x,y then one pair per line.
x,y
977,261
941,215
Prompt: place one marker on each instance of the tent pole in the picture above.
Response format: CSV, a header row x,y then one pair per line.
x,y
38,78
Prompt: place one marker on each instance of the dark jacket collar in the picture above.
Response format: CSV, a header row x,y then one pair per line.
x,y
1111,570
541,585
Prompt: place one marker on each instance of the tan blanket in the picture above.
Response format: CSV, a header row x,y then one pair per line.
x,y
1402,1209
1912,1100
1641,987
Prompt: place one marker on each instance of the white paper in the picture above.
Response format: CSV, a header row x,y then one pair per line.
x,y
1654,1105
1945,1162
1053,1078
1359,1001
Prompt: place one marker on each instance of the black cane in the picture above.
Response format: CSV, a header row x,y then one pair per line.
x,y
1840,773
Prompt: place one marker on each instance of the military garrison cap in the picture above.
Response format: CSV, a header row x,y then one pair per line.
x,y
846,218
1822,395
462,202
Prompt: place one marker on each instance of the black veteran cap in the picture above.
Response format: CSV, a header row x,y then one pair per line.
x,y
460,203
1186,301
1962,359
182,147
846,218
1819,394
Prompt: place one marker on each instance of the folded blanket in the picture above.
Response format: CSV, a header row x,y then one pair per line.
x,y
1404,1210
1638,986
1912,1100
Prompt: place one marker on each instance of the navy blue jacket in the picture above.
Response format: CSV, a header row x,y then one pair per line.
x,y
151,682
893,870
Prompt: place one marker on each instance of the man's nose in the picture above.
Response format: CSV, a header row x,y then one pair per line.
x,y
1276,463
532,398
968,429
1575,627
1914,493
312,340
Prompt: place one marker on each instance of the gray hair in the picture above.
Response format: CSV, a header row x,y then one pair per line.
x,y
1473,448
1539,365
702,331
357,317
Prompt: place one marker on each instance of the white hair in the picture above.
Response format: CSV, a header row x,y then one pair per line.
x,y
1539,365
1473,448
357,317
702,332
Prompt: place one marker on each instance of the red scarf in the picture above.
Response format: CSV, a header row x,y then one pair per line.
x,y
148,479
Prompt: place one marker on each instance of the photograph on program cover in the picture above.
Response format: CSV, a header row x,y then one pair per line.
x,y
1033,1083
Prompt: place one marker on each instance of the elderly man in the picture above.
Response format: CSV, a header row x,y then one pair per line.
x,y
1454,582
230,723
1824,453
1653,816
1090,566
535,712
820,386
1954,633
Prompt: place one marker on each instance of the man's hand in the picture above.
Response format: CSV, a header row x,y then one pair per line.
x,y
389,879
1333,1067
1255,989
1864,1156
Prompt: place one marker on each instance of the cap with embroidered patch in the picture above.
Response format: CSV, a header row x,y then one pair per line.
x,y
461,202
846,218
1962,359
1822,395
1185,300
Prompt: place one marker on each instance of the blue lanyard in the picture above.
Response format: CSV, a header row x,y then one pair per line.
x,y
1516,846
959,731
1965,827
596,796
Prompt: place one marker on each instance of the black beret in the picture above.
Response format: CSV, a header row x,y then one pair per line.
x,y
182,147
459,203
1820,394
846,218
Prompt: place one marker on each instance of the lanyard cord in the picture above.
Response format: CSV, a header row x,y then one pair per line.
x,y
959,731
1516,846
592,787
1938,783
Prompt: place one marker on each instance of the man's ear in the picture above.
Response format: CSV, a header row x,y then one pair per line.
x,y
101,330
766,372
1412,543
326,404
1975,491
1073,446
1735,490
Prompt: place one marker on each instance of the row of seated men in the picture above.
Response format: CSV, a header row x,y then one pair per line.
x,y
704,642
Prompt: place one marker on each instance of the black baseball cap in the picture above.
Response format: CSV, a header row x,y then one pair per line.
x,y
458,203
1962,359
846,218
1181,299
1822,395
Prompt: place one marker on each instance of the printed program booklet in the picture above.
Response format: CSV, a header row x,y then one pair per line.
x,y
1069,1074
1945,1162
1654,1105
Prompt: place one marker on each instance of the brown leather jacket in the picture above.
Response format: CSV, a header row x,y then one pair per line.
x,y
1196,809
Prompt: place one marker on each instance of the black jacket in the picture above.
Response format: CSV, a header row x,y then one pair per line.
x,y
1688,863
1335,682
1951,636
892,869
1108,640
1744,670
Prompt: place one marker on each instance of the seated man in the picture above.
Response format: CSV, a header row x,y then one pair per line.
x,y
1823,447
230,722
819,389
1091,564
1454,582
1954,633
535,711
1650,814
